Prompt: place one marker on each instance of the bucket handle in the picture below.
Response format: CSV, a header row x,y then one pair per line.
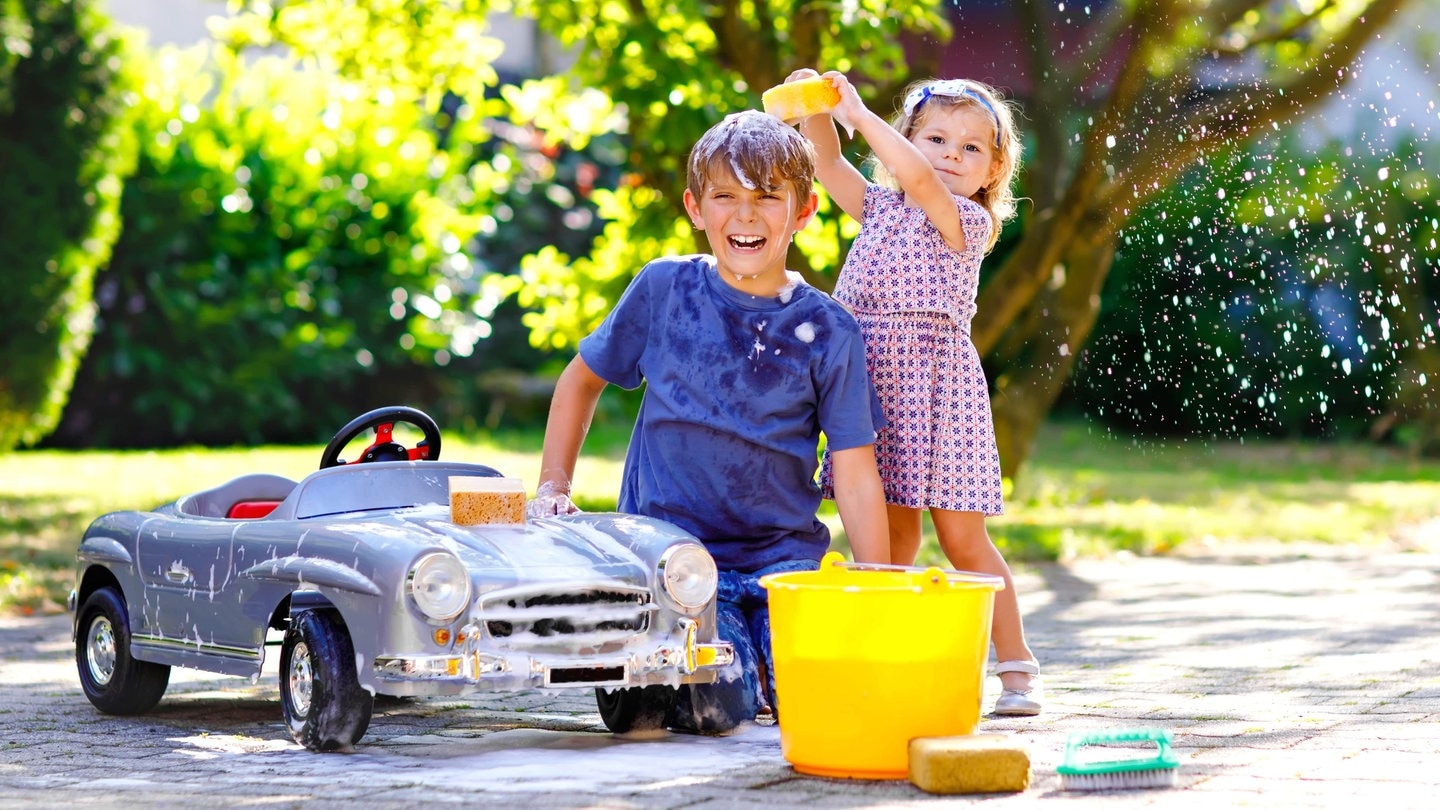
x,y
950,574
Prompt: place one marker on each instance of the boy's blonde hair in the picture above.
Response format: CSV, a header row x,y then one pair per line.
x,y
759,150
997,199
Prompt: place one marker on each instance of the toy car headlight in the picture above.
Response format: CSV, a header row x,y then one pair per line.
x,y
688,576
440,586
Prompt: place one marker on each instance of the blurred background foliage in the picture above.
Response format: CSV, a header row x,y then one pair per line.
x,y
295,249
342,204
65,73
1295,310
273,217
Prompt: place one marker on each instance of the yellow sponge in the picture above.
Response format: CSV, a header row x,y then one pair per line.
x,y
973,763
476,500
800,99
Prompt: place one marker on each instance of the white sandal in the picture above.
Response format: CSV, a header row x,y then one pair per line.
x,y
1019,702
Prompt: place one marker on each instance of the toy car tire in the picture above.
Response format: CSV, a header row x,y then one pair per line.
x,y
113,681
325,708
640,708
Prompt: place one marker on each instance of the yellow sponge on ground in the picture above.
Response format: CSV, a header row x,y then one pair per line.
x,y
973,763
796,100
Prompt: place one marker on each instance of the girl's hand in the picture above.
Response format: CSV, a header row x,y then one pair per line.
x,y
850,109
844,183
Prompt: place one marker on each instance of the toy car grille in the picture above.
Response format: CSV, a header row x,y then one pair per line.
x,y
601,614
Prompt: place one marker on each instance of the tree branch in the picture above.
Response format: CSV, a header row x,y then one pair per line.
x,y
1234,114
1289,30
1007,294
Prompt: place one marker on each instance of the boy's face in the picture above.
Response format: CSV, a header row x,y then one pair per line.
x,y
749,228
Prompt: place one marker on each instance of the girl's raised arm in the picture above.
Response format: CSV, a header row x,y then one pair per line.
x,y
910,168
842,181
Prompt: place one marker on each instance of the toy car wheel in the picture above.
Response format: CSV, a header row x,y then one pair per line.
x,y
112,680
639,708
325,707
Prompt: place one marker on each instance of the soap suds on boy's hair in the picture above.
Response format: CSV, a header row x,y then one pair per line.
x,y
758,150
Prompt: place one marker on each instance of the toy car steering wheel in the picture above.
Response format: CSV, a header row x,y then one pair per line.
x,y
385,448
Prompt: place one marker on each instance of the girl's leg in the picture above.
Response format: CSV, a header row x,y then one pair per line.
x,y
904,533
968,547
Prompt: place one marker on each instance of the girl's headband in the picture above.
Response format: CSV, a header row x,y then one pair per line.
x,y
950,88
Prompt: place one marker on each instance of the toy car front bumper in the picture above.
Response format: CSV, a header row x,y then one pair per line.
x,y
689,661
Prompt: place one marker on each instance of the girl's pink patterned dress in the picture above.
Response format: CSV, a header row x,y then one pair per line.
x,y
914,298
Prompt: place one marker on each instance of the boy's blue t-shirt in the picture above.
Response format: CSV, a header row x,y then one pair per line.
x,y
738,389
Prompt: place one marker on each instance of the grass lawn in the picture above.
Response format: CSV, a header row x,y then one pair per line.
x,y
1085,492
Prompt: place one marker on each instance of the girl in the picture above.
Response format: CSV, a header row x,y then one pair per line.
x,y
943,173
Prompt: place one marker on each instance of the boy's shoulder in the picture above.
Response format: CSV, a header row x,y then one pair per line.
x,y
806,294
678,264
813,300
675,276
684,275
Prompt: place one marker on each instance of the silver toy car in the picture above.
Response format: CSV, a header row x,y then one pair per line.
x,y
378,591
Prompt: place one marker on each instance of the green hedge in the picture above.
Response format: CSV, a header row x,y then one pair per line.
x,y
291,256
295,253
63,154
1292,293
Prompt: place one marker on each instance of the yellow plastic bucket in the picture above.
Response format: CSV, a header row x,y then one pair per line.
x,y
869,657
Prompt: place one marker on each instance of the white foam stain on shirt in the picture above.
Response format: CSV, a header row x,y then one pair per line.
x,y
805,332
758,348
792,281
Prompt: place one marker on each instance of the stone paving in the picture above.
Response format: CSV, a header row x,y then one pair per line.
x,y
1297,677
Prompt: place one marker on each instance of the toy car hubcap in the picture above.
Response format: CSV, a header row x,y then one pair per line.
x,y
302,679
100,651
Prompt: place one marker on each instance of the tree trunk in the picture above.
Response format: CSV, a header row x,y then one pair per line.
x,y
1039,351
1411,420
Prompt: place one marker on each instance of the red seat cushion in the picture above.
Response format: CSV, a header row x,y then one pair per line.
x,y
249,510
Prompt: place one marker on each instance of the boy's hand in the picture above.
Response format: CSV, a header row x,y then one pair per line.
x,y
550,500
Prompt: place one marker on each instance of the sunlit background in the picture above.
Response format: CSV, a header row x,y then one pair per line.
x,y
239,224
299,209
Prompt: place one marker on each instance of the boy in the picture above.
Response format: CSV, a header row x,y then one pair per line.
x,y
744,366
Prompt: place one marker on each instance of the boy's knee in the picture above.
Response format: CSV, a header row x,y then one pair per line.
x,y
735,696
714,708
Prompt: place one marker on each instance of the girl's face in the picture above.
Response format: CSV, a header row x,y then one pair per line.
x,y
749,228
960,143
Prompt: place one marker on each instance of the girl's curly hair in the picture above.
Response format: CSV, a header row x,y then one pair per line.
x,y
997,199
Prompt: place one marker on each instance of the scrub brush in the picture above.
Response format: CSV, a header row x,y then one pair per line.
x,y
1145,760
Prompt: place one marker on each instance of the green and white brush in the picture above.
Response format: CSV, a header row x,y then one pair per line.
x,y
1118,760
